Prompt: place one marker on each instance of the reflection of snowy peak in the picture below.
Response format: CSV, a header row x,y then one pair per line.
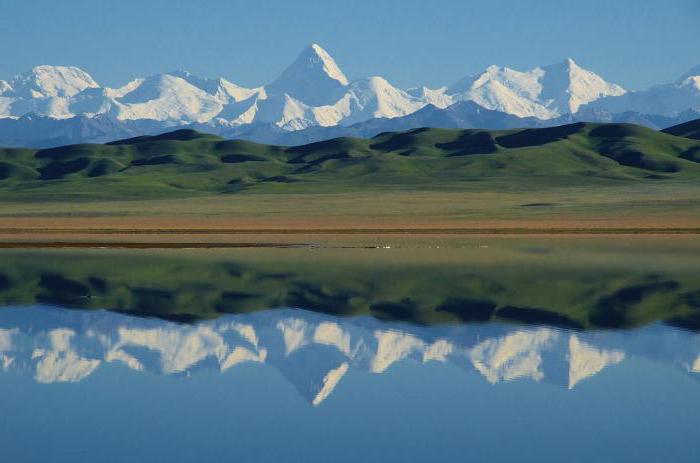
x,y
585,361
514,356
315,352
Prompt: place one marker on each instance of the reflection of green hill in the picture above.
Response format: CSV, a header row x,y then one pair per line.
x,y
578,284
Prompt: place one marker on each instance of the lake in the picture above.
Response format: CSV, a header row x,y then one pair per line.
x,y
391,349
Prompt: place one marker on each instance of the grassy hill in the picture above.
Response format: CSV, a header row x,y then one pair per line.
x,y
188,163
689,129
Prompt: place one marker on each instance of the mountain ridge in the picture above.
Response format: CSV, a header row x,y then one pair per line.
x,y
314,92
187,163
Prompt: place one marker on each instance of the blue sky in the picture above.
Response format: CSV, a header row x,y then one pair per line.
x,y
634,43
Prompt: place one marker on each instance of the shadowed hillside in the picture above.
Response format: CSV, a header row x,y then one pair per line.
x,y
189,163
689,129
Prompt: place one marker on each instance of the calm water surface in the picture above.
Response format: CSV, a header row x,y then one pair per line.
x,y
515,352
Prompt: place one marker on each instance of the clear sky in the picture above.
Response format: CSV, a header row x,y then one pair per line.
x,y
410,42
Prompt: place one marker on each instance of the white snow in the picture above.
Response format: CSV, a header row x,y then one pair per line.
x,y
438,351
64,346
167,98
393,346
314,78
58,366
374,97
51,81
567,86
666,100
224,90
437,97
329,66
586,361
294,333
6,338
314,91
331,334
4,87
517,355
241,355
545,92
330,381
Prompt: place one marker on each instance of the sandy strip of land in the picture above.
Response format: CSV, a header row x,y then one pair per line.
x,y
42,244
303,239
27,232
341,224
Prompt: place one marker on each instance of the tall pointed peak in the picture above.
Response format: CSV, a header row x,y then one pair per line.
x,y
314,57
568,86
314,78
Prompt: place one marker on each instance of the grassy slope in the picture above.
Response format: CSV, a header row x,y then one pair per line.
x,y
689,129
188,164
596,172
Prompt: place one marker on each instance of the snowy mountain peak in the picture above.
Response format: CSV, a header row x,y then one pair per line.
x,y
165,97
4,87
437,97
374,97
314,55
52,81
668,100
504,89
566,86
694,72
208,85
225,90
544,92
313,91
313,78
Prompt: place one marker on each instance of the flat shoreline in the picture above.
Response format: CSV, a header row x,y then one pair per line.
x,y
313,238
358,231
143,245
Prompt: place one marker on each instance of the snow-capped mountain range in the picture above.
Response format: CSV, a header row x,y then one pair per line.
x,y
314,92
314,351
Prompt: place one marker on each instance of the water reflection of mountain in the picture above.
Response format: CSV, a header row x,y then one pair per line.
x,y
580,284
314,352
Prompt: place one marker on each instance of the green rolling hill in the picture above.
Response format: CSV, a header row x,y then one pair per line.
x,y
188,163
689,129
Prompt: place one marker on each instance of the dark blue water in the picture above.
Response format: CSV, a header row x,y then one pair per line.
x,y
290,385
